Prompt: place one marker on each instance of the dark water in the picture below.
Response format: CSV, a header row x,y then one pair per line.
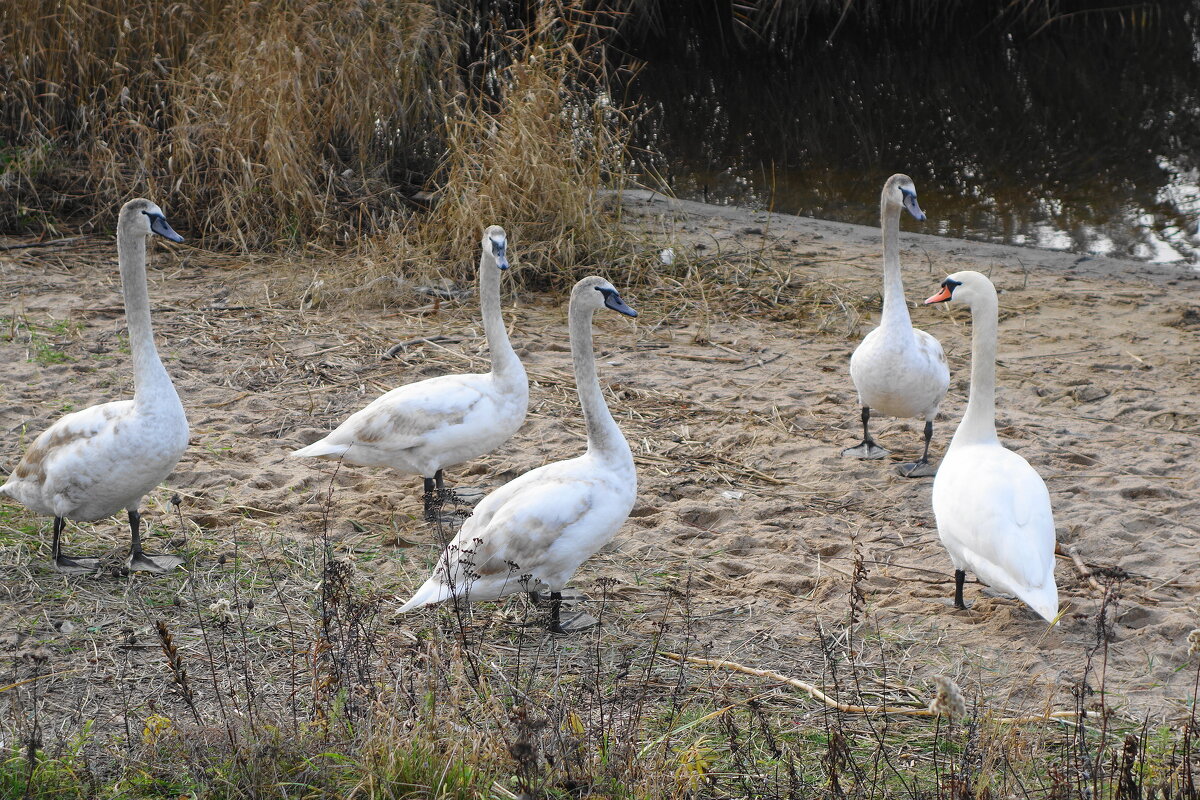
x,y
1088,143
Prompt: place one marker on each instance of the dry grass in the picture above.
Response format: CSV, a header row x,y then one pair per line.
x,y
251,122
267,124
242,682
538,151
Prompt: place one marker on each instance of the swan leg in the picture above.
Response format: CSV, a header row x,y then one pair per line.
x,y
64,563
960,576
568,596
921,468
435,498
431,498
466,497
142,561
444,495
575,622
867,448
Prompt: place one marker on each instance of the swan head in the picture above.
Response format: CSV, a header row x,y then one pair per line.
x,y
145,218
901,191
495,244
595,293
964,287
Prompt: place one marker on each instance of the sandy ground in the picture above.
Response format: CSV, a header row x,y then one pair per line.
x,y
736,401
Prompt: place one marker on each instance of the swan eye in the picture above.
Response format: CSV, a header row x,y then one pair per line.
x,y
498,248
951,284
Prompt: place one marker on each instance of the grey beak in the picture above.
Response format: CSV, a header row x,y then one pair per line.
x,y
159,225
614,301
910,202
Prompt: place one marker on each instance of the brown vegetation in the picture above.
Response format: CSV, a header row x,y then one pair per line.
x,y
251,122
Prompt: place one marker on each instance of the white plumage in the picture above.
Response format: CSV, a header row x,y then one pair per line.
x,y
535,531
898,370
98,461
993,510
424,427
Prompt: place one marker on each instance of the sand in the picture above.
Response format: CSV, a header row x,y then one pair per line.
x,y
736,401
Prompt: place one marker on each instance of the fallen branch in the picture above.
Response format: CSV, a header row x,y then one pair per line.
x,y
701,357
38,678
760,363
1083,568
50,243
400,347
814,692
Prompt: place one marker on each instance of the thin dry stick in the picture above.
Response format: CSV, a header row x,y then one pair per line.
x,y
39,677
817,694
1082,567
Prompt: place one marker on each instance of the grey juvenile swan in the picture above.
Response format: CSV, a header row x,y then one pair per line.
x,y
535,531
424,427
95,462
898,370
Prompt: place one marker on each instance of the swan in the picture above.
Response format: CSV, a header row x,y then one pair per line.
x,y
424,427
898,370
535,531
91,464
992,508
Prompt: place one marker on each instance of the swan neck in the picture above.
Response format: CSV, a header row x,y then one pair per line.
x,y
979,421
604,436
504,359
150,379
895,307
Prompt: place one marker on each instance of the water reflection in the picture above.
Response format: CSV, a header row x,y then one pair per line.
x,y
1080,144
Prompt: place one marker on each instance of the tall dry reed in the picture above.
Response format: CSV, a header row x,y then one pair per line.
x,y
533,142
261,123
251,121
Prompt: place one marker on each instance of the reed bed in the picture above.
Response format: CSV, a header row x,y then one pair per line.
x,y
380,131
539,151
254,123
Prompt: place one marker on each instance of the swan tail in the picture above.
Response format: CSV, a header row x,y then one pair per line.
x,y
321,449
432,591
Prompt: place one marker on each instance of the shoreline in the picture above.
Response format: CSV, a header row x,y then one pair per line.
x,y
843,234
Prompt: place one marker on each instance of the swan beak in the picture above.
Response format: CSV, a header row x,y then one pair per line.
x,y
499,250
910,202
159,225
614,301
941,297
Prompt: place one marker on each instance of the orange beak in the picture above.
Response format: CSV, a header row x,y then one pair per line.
x,y
940,297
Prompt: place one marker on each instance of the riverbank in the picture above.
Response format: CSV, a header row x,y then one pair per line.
x,y
971,254
751,540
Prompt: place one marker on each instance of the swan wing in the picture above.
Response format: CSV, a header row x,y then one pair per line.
x,y
533,532
69,457
994,508
408,416
930,351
